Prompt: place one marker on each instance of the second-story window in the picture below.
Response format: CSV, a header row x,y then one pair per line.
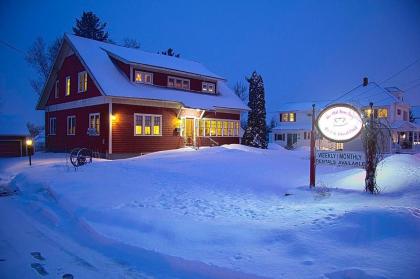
x,y
288,117
179,83
143,77
82,82
67,86
208,87
382,113
56,89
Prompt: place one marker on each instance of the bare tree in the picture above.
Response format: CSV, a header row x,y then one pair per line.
x,y
34,130
41,58
375,136
131,43
241,91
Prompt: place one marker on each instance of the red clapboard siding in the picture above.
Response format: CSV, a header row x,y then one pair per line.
x,y
221,115
123,139
12,146
71,67
123,66
62,142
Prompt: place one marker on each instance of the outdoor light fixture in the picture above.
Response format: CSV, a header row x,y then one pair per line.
x,y
29,146
113,117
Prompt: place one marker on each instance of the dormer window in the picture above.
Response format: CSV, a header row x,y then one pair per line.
x,y
179,83
208,87
143,77
82,82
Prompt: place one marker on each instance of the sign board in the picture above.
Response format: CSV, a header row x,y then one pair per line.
x,y
339,123
340,158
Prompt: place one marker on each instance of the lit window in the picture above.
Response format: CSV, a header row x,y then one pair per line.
x,y
143,77
207,129
82,82
208,87
383,113
225,128
213,128
147,125
56,93
179,83
53,125
71,125
201,128
139,124
67,86
368,112
231,128
219,128
288,117
236,128
156,125
94,124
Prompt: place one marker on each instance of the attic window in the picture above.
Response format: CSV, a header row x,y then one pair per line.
x,y
288,117
179,83
56,89
67,86
82,82
143,77
208,87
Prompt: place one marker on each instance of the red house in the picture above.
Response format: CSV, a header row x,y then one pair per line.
x,y
123,102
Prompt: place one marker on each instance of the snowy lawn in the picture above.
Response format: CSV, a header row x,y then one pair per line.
x,y
224,212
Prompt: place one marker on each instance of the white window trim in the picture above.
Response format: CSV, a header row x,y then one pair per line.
x,y
182,81
65,87
79,75
98,133
55,126
288,117
152,123
207,86
56,92
68,117
144,79
223,135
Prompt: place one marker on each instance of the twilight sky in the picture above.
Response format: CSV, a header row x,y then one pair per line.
x,y
305,50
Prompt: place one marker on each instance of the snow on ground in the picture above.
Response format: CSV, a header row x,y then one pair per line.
x,y
221,212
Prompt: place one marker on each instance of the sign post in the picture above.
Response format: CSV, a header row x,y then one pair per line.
x,y
337,123
312,158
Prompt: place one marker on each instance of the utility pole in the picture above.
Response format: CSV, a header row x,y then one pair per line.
x,y
312,157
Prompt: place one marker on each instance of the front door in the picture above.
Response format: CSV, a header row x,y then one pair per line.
x,y
189,131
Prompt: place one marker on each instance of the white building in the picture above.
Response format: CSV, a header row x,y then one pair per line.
x,y
295,120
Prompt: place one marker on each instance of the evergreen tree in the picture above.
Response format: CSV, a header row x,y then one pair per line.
x,y
90,26
255,133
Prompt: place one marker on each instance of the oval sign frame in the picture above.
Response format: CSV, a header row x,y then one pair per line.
x,y
330,107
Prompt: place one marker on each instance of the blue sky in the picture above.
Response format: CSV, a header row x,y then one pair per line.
x,y
305,50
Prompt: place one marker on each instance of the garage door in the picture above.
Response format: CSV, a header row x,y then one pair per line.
x,y
9,148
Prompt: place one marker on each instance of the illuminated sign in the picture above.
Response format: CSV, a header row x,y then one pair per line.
x,y
339,123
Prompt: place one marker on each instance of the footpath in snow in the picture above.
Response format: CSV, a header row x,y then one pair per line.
x,y
222,212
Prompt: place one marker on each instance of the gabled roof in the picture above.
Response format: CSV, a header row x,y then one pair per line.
x,y
359,97
110,80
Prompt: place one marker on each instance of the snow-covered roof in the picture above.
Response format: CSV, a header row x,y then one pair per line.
x,y
293,126
301,106
402,125
12,125
359,97
112,82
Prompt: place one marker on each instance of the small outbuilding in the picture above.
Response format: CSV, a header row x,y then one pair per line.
x,y
13,136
